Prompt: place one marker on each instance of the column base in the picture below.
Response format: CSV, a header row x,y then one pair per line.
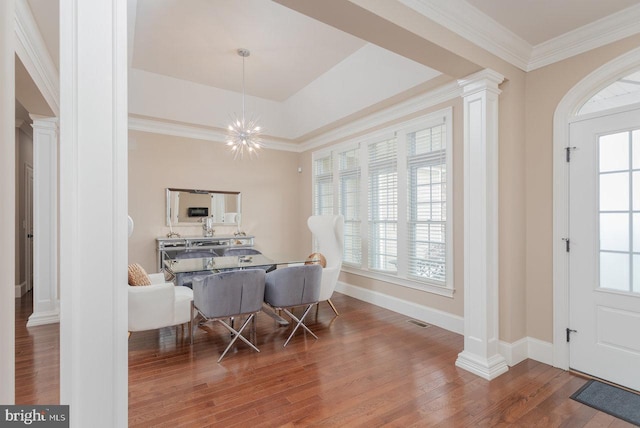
x,y
488,369
42,318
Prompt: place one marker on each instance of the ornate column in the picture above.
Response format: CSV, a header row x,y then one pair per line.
x,y
93,212
481,328
7,195
45,221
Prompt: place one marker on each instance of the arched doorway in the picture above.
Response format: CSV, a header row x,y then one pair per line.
x,y
598,95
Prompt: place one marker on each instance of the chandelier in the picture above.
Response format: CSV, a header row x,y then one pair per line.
x,y
244,135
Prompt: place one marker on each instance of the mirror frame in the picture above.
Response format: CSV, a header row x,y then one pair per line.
x,y
204,192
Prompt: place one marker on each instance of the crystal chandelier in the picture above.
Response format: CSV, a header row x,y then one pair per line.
x,y
244,135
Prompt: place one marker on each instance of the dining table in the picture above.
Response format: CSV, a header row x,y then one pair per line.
x,y
210,265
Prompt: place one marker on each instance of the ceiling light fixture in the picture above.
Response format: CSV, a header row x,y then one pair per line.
x,y
244,135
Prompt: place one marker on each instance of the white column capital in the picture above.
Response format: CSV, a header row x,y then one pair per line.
x,y
19,123
484,80
44,122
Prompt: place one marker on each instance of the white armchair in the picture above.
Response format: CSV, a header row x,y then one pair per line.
x,y
158,305
328,231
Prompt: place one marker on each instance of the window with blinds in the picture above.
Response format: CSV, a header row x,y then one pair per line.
x,y
383,205
349,204
323,183
393,188
427,207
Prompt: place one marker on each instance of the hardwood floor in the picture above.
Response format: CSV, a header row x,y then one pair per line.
x,y
370,367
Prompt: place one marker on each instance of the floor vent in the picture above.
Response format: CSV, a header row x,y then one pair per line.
x,y
419,323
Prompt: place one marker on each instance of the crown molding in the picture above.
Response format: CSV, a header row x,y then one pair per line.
x,y
429,99
217,135
594,35
35,56
480,29
475,26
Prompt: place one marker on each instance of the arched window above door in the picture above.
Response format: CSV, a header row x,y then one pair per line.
x,y
622,92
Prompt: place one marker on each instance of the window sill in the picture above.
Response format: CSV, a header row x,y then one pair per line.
x,y
404,282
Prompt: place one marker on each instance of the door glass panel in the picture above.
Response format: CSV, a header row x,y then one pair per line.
x,y
614,232
614,191
636,276
636,149
614,152
614,270
619,211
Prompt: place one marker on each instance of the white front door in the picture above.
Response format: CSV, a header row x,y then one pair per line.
x,y
604,247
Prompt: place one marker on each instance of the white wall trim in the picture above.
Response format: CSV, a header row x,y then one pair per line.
x,y
527,347
21,289
43,318
448,321
424,101
515,352
540,350
591,36
565,110
160,126
480,29
35,56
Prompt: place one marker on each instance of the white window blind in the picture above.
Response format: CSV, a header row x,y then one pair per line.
x,y
349,204
323,182
394,189
427,208
383,205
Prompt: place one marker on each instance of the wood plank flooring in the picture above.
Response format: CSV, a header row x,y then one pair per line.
x,y
370,367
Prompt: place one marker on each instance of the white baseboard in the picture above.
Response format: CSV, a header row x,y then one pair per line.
x,y
42,318
426,314
541,351
21,290
513,353
527,347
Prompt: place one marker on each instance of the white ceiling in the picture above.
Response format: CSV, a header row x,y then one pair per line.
x,y
294,58
198,43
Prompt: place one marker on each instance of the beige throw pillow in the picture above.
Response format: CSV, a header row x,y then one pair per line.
x,y
138,276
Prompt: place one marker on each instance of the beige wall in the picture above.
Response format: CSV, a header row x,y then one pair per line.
x,y
269,187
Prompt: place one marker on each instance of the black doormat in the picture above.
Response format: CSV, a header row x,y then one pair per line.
x,y
609,399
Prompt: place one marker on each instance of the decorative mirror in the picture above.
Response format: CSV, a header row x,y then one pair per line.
x,y
190,207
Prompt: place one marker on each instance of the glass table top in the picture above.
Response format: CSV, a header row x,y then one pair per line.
x,y
226,262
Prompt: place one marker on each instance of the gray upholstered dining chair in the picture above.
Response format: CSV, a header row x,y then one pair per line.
x,y
242,251
186,278
220,296
294,286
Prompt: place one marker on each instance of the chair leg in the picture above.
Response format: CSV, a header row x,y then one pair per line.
x,y
300,322
237,335
193,309
333,307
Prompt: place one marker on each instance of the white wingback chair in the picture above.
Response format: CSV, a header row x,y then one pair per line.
x,y
158,305
328,231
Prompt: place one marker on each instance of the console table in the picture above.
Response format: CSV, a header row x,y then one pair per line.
x,y
168,248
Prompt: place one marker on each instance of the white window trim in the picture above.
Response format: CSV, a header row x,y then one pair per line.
x,y
400,130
